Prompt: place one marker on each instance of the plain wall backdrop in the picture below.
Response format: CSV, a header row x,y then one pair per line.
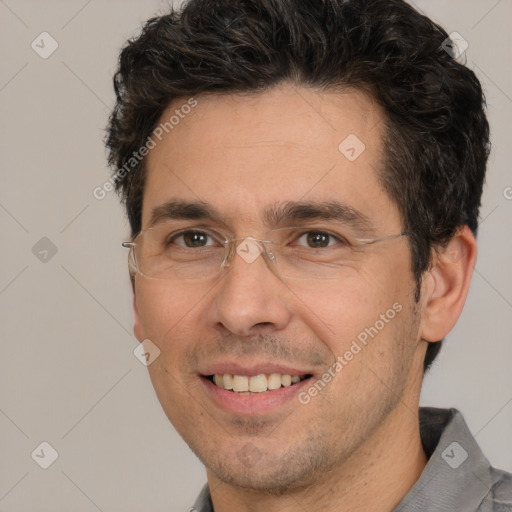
x,y
68,374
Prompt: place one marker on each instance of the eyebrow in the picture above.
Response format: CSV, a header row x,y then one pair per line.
x,y
182,210
275,215
318,210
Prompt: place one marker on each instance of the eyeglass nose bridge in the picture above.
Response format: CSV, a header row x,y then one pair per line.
x,y
249,249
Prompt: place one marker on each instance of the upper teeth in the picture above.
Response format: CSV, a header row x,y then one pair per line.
x,y
256,383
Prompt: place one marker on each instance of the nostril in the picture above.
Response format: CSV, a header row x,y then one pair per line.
x,y
263,324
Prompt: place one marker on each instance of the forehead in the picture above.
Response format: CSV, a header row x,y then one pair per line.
x,y
242,152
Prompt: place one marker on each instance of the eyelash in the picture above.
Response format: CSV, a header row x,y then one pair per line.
x,y
338,238
171,238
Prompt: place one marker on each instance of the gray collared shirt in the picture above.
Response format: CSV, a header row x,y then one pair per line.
x,y
457,477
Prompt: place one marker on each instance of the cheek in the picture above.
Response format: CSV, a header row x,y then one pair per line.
x,y
168,315
360,319
170,318
345,308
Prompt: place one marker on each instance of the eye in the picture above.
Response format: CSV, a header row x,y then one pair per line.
x,y
191,239
319,239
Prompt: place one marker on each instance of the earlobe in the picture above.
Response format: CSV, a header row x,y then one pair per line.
x,y
445,287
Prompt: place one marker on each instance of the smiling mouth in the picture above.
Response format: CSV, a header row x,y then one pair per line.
x,y
255,384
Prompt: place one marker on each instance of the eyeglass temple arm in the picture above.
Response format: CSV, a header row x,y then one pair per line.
x,y
381,239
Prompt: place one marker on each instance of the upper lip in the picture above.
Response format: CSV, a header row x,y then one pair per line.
x,y
250,370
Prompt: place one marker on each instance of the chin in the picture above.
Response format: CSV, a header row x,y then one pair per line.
x,y
272,472
261,480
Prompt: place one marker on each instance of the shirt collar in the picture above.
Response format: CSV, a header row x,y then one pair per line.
x,y
457,475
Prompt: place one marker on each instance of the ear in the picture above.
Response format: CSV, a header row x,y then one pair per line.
x,y
137,327
446,285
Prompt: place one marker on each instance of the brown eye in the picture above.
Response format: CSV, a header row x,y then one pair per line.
x,y
318,239
192,239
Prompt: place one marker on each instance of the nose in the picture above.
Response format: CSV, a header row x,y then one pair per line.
x,y
249,298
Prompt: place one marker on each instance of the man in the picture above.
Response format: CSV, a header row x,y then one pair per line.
x,y
303,181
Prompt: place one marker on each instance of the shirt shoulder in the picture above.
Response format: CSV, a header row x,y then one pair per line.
x,y
499,498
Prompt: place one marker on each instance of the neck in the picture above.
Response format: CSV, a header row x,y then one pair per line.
x,y
374,478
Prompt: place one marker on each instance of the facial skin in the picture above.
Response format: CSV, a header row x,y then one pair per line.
x,y
356,443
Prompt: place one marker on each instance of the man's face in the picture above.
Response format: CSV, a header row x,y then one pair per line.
x,y
242,156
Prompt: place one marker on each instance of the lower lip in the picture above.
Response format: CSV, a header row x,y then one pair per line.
x,y
256,403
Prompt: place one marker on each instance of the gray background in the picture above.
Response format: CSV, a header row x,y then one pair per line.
x,y
68,375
